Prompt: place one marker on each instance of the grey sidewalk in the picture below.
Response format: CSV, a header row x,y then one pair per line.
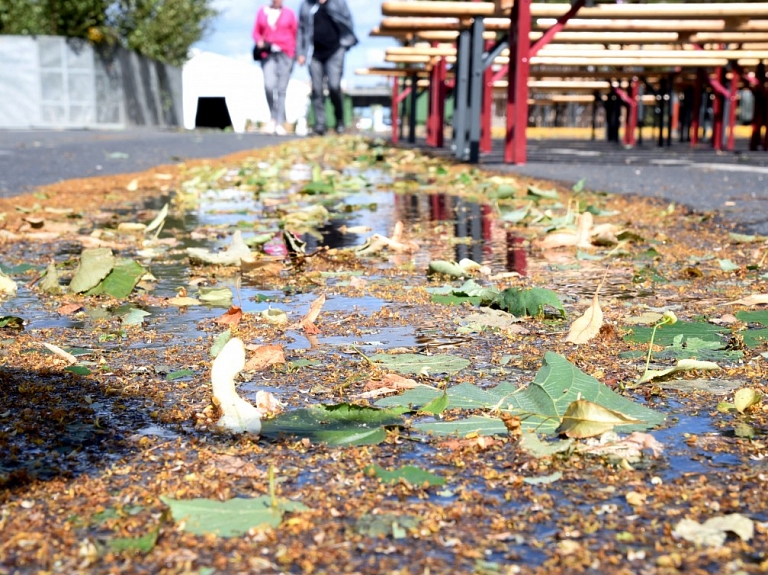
x,y
734,184
31,158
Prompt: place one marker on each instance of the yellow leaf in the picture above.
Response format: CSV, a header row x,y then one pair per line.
x,y
588,325
746,398
586,419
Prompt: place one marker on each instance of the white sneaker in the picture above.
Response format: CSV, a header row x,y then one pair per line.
x,y
301,127
280,130
269,127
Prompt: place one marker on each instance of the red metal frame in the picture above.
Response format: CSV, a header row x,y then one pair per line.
x,y
718,109
547,36
397,99
630,99
517,87
520,52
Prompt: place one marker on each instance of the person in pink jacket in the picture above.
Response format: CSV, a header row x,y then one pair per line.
x,y
275,33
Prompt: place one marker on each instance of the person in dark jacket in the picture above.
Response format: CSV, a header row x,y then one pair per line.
x,y
325,34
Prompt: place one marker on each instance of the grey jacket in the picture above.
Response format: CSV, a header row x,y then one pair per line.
x,y
339,13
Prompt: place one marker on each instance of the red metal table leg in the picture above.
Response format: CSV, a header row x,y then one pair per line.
x,y
517,88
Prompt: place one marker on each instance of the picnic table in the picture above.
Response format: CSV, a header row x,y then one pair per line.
x,y
666,39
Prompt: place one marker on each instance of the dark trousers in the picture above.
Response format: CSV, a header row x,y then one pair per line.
x,y
331,69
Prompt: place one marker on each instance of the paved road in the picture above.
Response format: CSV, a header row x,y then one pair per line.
x,y
733,184
31,158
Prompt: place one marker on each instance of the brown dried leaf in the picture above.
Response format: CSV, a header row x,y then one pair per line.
x,y
264,356
480,443
236,466
754,299
69,308
391,380
231,317
587,326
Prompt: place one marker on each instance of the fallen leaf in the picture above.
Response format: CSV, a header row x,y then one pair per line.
x,y
586,419
745,398
69,308
754,299
565,238
630,447
307,323
236,466
133,185
682,365
390,381
713,532
267,403
479,443
264,356
238,414
231,317
183,301
275,316
587,326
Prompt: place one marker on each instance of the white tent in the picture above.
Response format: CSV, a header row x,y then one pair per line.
x,y
241,84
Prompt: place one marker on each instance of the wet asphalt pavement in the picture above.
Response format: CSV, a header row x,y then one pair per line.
x,y
734,184
32,158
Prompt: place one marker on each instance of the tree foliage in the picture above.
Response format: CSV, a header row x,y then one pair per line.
x,y
160,29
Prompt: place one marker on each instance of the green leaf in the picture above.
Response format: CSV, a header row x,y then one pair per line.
x,y
515,216
228,518
579,186
530,301
12,322
544,479
95,264
215,294
120,282
416,364
341,424
505,191
446,268
179,374
220,341
408,473
143,544
135,316
78,370
539,193
728,266
452,299
314,188
666,334
531,443
476,424
540,405
436,406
